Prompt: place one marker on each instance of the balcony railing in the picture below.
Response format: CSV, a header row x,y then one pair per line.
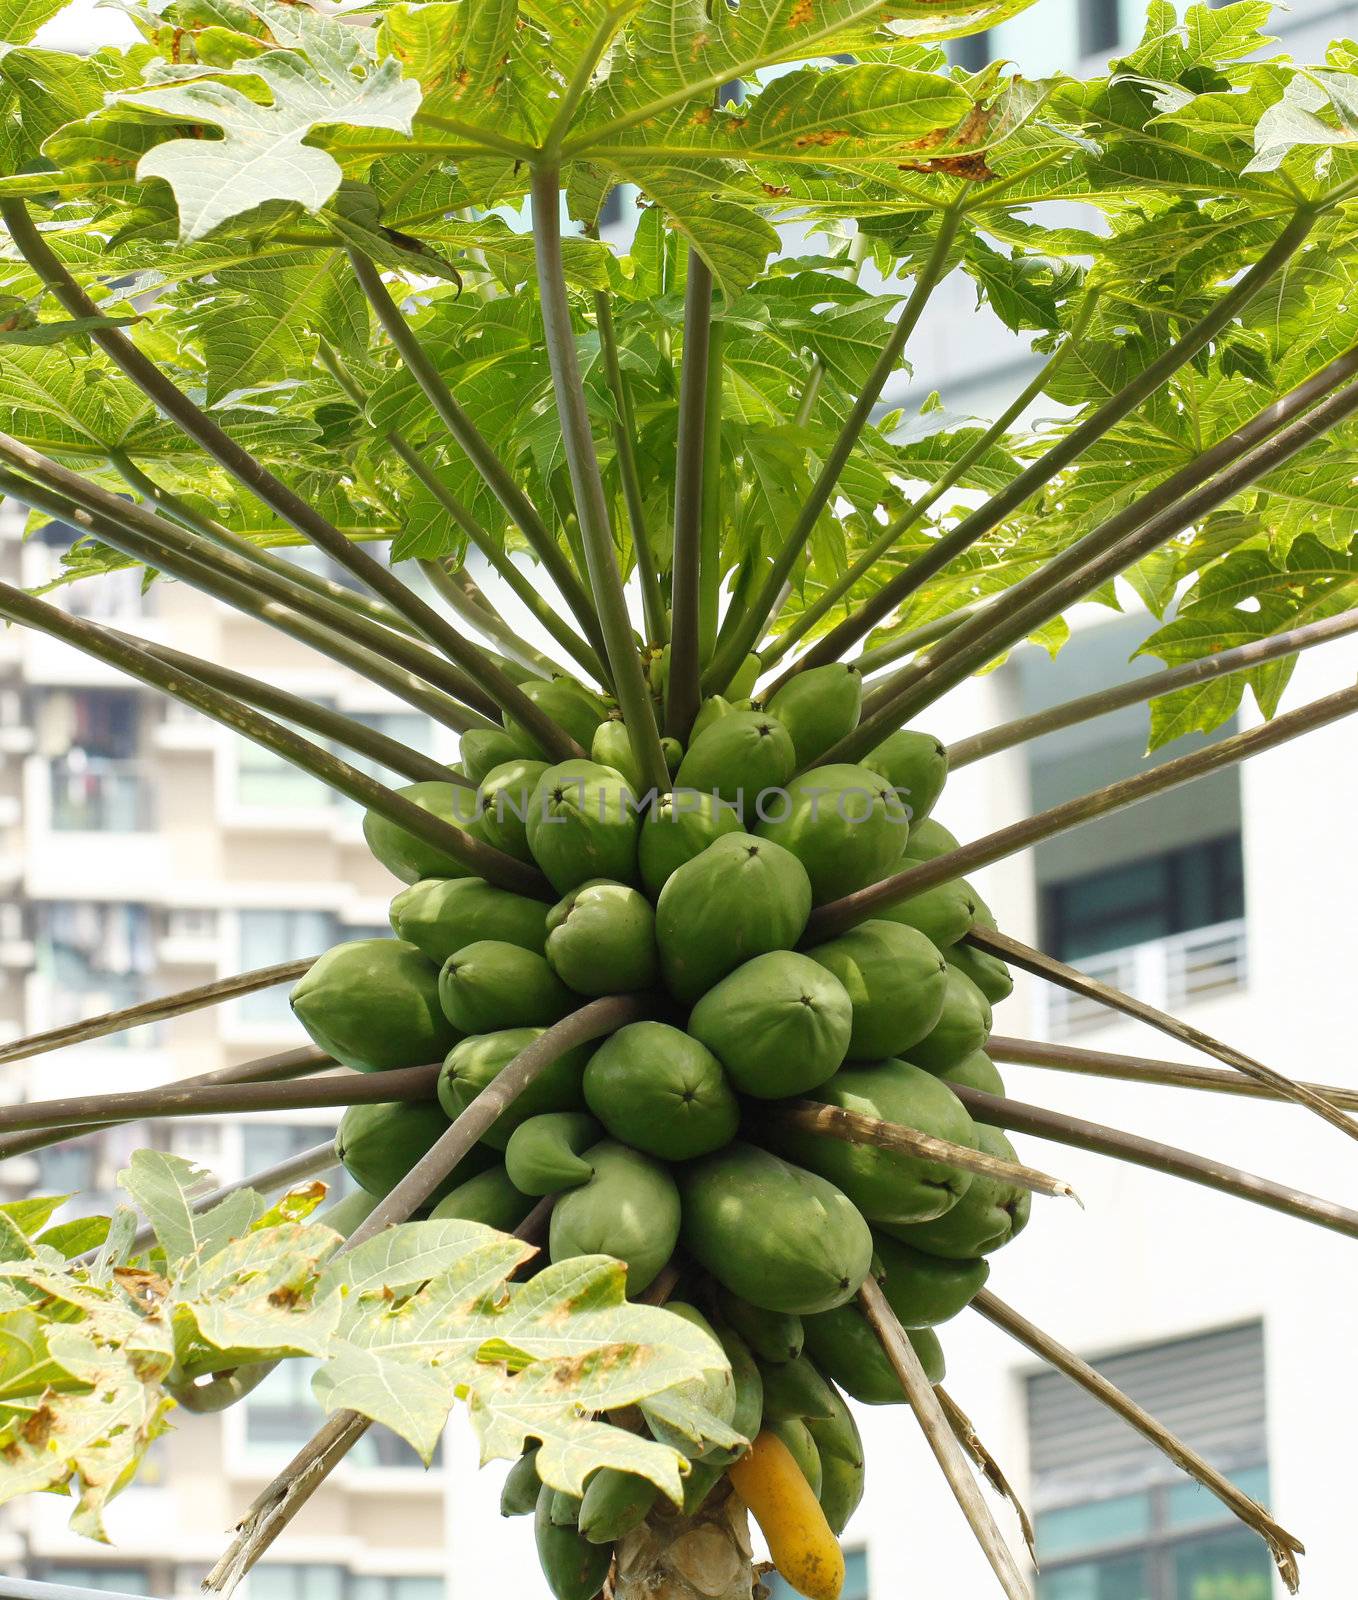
x,y
98,794
1168,973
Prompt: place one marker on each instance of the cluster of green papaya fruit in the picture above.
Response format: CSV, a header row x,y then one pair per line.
x,y
661,1142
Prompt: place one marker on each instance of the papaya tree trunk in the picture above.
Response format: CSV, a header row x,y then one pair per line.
x,y
706,1556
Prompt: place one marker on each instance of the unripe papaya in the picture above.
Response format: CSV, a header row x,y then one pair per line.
x,y
493,984
885,1185
712,710
942,914
843,823
544,1153
611,747
614,1503
928,840
779,1024
819,707
795,1389
502,802
801,1446
963,1026
741,897
628,1209
976,1071
990,1214
846,1349
522,1486
601,939
925,1290
840,1448
915,765
717,1390
896,982
484,748
489,1197
990,975
479,1060
379,1144
583,824
741,686
569,704
661,1091
774,1234
739,756
677,828
565,1511
574,1568
442,915
373,1004
771,1335
673,753
412,858
348,1211
780,1500
704,1475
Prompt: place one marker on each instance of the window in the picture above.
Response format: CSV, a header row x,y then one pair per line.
x,y
971,53
94,957
410,728
364,1587
121,1579
70,1168
268,937
855,1579
92,737
295,1581
1194,887
1099,26
281,1415
265,1144
1114,1520
266,780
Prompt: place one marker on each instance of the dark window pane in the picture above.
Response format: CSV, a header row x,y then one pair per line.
x,y
1117,1578
1098,26
1100,1522
971,53
1188,1505
125,1579
1227,1566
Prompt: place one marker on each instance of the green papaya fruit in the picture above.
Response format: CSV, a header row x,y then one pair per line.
x,y
628,1209
489,1197
840,1448
779,1024
661,1091
928,840
565,1510
772,1233
544,1153
480,1059
409,857
717,1394
502,803
795,1389
373,1004
741,897
574,1568
493,984
843,823
484,748
569,704
963,1026
348,1211
886,1185
746,1419
747,673
925,1290
615,1502
847,1351
713,708
819,707
379,1144
738,757
611,747
673,753
990,975
801,1446
601,939
942,914
771,1335
976,1071
522,1486
990,1214
896,982
677,828
442,915
915,765
582,824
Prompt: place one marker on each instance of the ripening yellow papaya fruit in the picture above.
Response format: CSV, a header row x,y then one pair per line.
x,y
801,1546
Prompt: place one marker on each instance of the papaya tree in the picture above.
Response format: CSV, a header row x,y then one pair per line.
x,y
690,995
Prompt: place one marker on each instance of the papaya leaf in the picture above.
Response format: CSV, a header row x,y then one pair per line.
x,y
162,1184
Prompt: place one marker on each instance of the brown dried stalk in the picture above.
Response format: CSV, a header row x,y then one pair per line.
x,y
965,1433
947,1451
1285,1547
